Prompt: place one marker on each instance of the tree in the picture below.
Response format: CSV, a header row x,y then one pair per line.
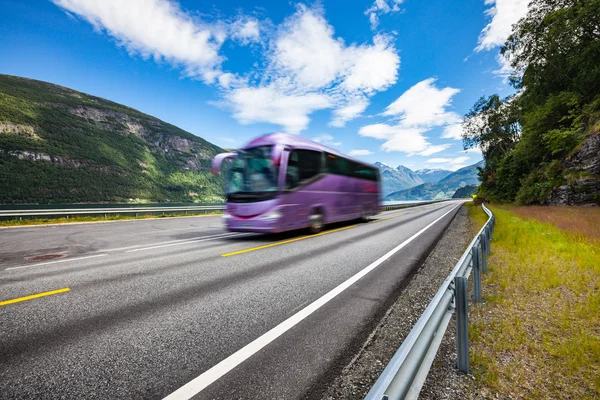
x,y
525,139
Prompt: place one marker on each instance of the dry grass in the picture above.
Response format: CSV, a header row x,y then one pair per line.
x,y
584,220
538,334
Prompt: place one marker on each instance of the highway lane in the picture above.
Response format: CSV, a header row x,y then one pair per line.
x,y
156,304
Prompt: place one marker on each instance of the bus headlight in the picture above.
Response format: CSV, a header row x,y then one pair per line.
x,y
272,215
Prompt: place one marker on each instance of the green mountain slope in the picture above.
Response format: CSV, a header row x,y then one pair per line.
x,y
465,192
443,189
395,179
62,146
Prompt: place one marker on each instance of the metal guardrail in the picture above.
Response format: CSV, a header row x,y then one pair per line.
x,y
391,207
406,372
19,214
106,211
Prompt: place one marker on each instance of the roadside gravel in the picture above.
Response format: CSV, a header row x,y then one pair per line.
x,y
444,381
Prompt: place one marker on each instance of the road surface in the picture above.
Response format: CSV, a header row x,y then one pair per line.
x,y
179,307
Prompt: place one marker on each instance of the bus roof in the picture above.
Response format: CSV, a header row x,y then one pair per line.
x,y
297,142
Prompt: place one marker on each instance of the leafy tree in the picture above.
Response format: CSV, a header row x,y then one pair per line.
x,y
554,52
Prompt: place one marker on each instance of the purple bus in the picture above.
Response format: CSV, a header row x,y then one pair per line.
x,y
280,182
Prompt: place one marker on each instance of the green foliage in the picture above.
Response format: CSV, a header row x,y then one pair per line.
x,y
62,146
525,139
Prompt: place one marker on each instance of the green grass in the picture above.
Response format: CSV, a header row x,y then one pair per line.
x,y
114,217
538,333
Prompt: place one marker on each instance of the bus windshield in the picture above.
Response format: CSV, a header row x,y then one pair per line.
x,y
252,174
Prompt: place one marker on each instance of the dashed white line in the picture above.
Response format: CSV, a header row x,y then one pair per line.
x,y
56,262
199,383
203,239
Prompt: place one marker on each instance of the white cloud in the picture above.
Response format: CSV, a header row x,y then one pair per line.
x,y
268,104
360,152
371,68
504,14
382,7
245,30
398,138
309,69
433,149
228,140
156,29
307,50
451,164
327,139
424,105
346,113
417,110
305,68
453,131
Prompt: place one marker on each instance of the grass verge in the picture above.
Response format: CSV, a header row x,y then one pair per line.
x,y
538,333
115,217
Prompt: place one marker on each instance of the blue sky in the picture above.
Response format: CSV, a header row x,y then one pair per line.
x,y
386,80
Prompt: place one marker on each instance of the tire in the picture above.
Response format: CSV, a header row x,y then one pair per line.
x,y
316,222
366,215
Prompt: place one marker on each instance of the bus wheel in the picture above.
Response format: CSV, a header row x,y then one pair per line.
x,y
316,222
366,215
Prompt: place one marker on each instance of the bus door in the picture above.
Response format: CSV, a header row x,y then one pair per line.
x,y
301,186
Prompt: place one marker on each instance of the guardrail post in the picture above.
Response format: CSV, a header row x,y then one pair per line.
x,y
483,252
476,274
462,328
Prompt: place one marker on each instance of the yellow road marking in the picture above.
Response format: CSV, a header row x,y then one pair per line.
x,y
383,219
233,253
33,296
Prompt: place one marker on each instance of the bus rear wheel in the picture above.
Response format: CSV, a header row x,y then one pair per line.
x,y
366,215
316,222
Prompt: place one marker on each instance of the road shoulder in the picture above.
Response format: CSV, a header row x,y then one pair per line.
x,y
443,382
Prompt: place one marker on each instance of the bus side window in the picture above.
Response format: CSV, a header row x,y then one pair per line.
x,y
364,172
303,165
331,166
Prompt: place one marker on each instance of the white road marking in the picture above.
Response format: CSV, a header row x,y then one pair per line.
x,y
202,239
199,383
56,262
160,243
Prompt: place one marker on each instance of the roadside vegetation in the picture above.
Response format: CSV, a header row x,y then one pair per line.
x,y
537,335
116,217
540,144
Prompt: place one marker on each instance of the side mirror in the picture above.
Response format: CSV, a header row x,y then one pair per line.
x,y
218,160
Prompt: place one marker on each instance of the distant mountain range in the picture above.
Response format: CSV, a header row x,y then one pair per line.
x,y
395,179
432,175
444,189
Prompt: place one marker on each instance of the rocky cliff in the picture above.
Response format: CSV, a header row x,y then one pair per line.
x,y
582,175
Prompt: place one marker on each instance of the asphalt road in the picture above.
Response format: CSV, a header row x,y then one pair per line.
x,y
181,307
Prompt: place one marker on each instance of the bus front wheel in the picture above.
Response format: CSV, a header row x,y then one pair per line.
x,y
316,222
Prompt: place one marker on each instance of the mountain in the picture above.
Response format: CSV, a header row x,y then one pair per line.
x,y
58,145
395,179
465,192
432,175
443,189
